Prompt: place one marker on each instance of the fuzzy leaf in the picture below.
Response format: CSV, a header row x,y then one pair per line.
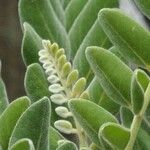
x,y
59,10
23,144
115,135
67,146
105,66
65,3
72,11
126,116
3,97
143,79
31,44
36,85
95,90
9,118
95,37
144,6
54,137
41,16
85,21
129,37
143,139
90,116
139,80
108,104
98,96
34,124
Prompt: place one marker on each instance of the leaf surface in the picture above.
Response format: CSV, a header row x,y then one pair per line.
x,y
67,146
85,21
128,36
34,125
109,69
23,144
31,44
54,137
36,84
115,135
72,11
90,116
9,118
95,37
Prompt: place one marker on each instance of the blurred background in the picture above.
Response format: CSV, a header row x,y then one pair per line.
x,y
13,68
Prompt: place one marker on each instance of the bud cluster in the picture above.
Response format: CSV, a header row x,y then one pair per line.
x,y
64,83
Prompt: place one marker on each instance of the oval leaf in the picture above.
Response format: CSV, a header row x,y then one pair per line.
x,y
110,70
36,84
116,135
90,116
137,92
126,35
67,146
34,124
23,144
31,44
9,118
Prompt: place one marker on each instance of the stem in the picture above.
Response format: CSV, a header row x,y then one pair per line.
x,y
137,120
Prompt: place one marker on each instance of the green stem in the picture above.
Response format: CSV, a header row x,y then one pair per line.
x,y
137,120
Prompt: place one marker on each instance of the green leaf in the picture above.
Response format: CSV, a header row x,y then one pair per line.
x,y
41,16
31,44
36,84
98,96
85,21
59,10
116,135
67,146
108,104
96,37
95,90
143,79
139,80
143,139
116,51
9,118
23,144
3,97
144,6
65,3
105,66
54,137
126,116
72,11
34,124
129,37
90,116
